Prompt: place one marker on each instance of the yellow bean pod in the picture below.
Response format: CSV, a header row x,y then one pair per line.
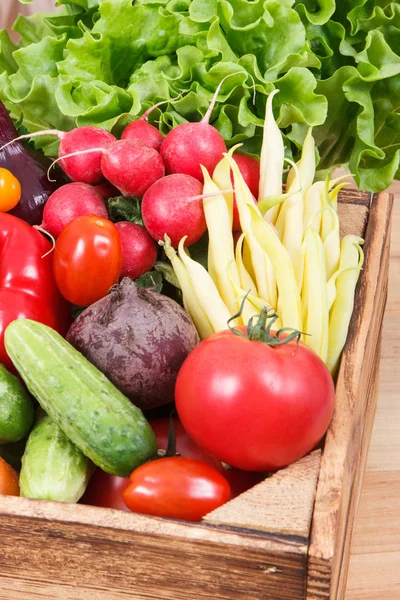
x,y
190,300
351,261
289,307
290,219
271,159
220,241
222,179
314,295
206,292
262,268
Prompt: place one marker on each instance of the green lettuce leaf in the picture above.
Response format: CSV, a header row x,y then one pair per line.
x,y
104,62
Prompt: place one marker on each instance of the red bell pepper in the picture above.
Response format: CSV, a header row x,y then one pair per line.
x,y
27,285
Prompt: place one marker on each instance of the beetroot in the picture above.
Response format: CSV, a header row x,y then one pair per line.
x,y
69,202
138,339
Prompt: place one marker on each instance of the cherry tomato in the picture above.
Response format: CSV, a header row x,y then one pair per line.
x,y
10,190
9,483
106,490
254,406
185,446
88,259
176,487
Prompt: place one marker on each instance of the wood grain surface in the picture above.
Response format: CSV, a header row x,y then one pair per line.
x,y
345,451
374,572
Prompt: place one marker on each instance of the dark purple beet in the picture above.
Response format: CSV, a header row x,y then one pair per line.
x,y
138,339
36,188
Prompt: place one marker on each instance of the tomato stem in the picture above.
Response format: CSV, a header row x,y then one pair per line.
x,y
259,327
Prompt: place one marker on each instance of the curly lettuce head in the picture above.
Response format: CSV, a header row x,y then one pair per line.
x,y
103,62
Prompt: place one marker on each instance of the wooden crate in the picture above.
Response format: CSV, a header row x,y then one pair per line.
x,y
286,539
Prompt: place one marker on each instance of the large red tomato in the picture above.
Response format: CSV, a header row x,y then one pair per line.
x,y
88,259
256,407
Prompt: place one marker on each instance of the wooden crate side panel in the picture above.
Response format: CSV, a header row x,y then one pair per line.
x,y
348,437
282,503
80,561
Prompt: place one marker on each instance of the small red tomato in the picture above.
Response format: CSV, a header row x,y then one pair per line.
x,y
176,487
87,259
106,490
185,446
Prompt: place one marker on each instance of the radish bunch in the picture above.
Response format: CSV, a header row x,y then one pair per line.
x,y
101,166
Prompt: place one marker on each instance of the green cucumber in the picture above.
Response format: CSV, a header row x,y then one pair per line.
x,y
52,467
89,409
16,408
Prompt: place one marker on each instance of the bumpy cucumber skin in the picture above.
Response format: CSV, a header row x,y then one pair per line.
x,y
52,467
92,413
16,408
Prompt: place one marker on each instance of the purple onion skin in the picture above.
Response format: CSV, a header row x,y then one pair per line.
x,y
32,175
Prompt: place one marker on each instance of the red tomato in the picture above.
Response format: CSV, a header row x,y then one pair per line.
x,y
255,407
87,259
241,481
176,487
185,446
106,490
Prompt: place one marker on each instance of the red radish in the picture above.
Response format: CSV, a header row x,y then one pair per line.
x,y
142,131
106,190
173,206
132,167
138,248
250,170
69,202
190,145
81,165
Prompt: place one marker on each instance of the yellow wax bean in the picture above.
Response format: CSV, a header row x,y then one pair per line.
x,y
290,219
190,300
351,261
222,178
330,235
220,241
264,274
314,295
206,292
247,307
246,281
313,202
289,297
271,159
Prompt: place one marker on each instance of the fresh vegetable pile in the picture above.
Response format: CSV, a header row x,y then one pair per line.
x,y
102,62
181,276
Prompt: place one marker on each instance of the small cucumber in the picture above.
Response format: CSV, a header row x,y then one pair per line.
x,y
89,409
52,467
16,408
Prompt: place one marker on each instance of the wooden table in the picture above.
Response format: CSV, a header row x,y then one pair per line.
x,y
375,561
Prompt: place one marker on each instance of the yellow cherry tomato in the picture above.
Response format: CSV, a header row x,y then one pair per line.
x,y
10,190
